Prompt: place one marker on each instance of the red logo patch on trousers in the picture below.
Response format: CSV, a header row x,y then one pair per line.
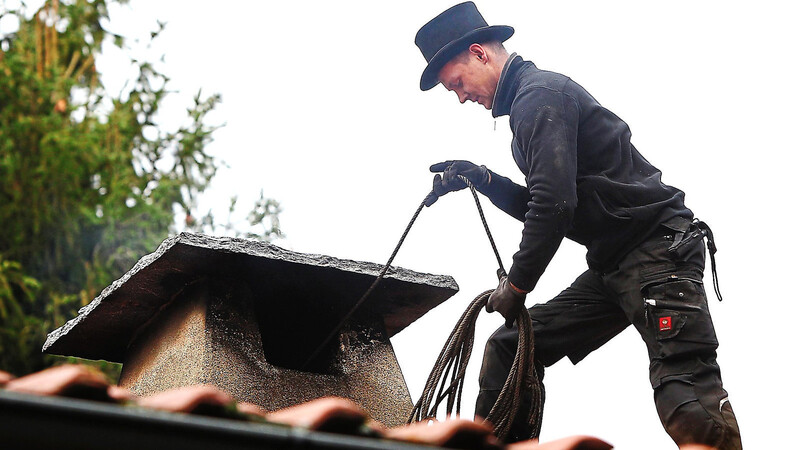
x,y
664,323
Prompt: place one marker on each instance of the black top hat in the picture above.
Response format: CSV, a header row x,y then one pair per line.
x,y
450,33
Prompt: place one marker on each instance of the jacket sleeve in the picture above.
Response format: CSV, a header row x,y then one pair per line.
x,y
545,127
510,197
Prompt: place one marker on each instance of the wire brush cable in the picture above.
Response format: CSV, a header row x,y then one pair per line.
x,y
452,365
453,359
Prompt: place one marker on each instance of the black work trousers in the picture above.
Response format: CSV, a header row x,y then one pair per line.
x,y
662,295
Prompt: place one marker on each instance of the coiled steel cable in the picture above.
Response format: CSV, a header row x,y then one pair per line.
x,y
454,357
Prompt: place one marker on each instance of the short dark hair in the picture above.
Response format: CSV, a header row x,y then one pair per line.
x,y
463,56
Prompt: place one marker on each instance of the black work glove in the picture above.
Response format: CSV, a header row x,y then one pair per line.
x,y
449,180
507,300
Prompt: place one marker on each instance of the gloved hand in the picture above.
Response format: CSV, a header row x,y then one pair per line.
x,y
448,182
508,300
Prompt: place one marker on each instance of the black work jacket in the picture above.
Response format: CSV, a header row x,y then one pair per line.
x,y
585,180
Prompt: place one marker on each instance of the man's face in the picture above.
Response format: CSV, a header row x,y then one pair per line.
x,y
470,79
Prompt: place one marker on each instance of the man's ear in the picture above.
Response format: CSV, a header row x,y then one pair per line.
x,y
478,51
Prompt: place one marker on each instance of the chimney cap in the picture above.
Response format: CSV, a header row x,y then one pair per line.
x,y
104,328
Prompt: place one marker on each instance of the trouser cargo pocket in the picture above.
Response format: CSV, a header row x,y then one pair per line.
x,y
676,314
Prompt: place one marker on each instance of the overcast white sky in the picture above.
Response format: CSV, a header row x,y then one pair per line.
x,y
323,112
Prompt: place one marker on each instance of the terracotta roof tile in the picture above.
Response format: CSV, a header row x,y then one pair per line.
x,y
323,416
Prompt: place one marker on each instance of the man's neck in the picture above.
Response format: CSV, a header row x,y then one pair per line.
x,y
507,63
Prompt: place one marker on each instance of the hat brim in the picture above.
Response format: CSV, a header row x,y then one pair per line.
x,y
430,76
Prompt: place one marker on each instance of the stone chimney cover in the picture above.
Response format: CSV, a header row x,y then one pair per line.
x,y
331,286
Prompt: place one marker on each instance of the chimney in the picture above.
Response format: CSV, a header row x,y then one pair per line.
x,y
245,316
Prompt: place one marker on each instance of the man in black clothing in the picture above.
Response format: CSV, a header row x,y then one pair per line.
x,y
584,181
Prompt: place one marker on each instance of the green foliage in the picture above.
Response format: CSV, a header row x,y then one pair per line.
x,y
88,181
19,332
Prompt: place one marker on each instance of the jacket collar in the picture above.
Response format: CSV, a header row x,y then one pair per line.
x,y
506,90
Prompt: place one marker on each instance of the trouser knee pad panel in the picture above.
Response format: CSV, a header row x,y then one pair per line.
x,y
693,419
